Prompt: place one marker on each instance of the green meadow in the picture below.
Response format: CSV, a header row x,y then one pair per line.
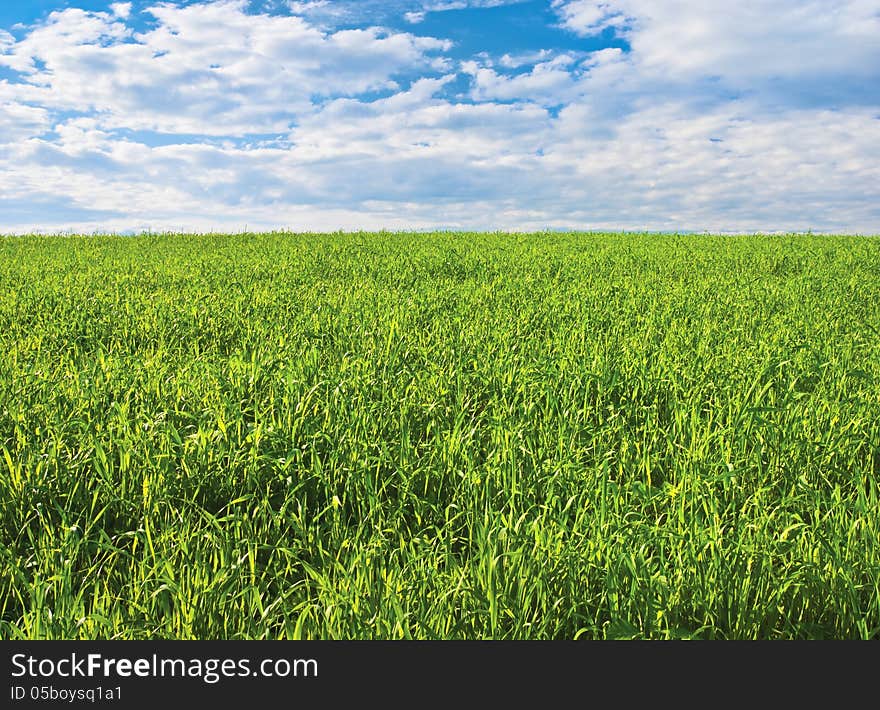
x,y
478,436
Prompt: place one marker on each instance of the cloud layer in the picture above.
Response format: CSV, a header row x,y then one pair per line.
x,y
727,117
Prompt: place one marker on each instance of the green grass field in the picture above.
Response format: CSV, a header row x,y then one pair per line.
x,y
440,436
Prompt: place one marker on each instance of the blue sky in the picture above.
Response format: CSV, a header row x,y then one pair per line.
x,y
419,114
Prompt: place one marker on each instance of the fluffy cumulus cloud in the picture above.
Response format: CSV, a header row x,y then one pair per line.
x,y
213,115
335,12
207,69
739,40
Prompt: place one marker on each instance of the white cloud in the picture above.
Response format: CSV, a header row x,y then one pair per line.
x,y
334,13
121,9
208,68
552,82
712,121
727,169
587,17
304,8
65,35
446,5
513,61
19,121
739,41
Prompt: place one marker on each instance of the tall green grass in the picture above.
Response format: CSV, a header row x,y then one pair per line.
x,y
439,436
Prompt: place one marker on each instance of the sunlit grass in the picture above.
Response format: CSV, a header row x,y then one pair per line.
x,y
439,436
